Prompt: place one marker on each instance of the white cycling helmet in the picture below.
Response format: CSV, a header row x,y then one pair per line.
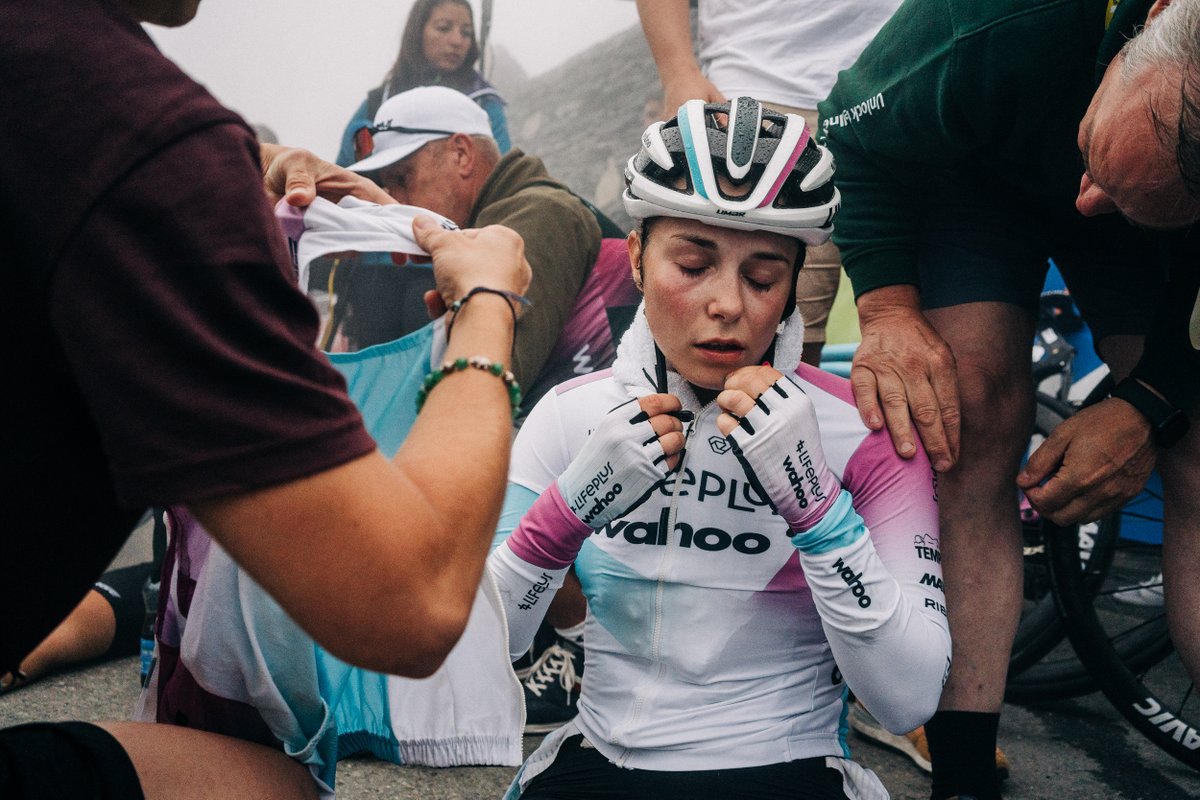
x,y
781,177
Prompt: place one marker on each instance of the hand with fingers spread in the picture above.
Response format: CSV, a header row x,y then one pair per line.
x,y
300,176
635,447
772,426
904,376
1091,464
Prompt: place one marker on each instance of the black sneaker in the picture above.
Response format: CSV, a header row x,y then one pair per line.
x,y
552,688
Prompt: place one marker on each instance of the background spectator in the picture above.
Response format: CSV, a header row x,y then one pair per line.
x,y
438,48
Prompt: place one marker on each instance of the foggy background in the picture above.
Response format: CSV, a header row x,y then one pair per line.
x,y
302,67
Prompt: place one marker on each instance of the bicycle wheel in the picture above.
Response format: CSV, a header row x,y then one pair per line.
x,y
1120,634
1041,629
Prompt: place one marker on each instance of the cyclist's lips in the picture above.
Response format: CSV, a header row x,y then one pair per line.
x,y
721,351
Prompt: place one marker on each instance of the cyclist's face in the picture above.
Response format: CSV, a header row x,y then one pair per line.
x,y
447,37
714,296
1129,152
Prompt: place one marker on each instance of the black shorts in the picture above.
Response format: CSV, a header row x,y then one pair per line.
x,y
976,252
580,772
65,761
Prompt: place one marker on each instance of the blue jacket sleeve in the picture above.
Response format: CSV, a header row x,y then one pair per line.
x,y
345,156
494,107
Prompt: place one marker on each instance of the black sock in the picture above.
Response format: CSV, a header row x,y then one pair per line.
x,y
962,746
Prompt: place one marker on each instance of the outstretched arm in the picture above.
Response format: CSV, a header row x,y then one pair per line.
x,y
379,560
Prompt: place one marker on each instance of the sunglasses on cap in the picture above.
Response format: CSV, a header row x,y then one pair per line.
x,y
364,138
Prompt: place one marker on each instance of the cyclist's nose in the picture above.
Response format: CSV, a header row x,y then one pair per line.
x,y
726,301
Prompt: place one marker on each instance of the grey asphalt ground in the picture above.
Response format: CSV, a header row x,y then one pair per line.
x,y
1069,750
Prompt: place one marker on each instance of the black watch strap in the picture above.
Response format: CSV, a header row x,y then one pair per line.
x,y
1169,423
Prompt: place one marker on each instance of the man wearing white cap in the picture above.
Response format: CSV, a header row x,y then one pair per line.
x,y
433,147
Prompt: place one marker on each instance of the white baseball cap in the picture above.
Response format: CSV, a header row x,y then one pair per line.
x,y
408,121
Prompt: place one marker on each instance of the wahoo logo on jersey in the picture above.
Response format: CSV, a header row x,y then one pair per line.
x,y
708,538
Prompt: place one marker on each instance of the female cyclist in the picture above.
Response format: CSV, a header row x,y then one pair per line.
x,y
748,549
438,48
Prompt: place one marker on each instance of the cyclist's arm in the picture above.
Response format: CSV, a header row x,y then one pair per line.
x,y
629,452
891,645
891,639
539,455
526,574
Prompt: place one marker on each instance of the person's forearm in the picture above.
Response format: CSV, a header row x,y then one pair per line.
x,y
668,29
460,462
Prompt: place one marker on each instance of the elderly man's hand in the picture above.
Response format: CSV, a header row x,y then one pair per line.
x,y
904,373
1091,464
300,176
462,260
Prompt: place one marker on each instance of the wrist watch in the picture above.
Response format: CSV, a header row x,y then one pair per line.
x,y
1168,423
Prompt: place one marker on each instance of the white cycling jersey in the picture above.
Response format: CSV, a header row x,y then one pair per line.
x,y
711,640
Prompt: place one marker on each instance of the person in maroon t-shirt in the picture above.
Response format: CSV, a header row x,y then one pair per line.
x,y
165,356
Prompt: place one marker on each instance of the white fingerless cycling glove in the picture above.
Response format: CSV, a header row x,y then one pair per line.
x,y
617,469
779,446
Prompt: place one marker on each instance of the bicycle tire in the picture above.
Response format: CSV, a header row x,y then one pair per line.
x,y
1120,667
1060,674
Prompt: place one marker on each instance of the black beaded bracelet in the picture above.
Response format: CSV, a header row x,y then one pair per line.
x,y
511,297
476,362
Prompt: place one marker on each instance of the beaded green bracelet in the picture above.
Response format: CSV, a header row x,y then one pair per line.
x,y
477,362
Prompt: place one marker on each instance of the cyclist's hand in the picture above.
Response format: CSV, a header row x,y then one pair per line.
x,y
1091,464
904,373
633,449
772,426
464,259
300,176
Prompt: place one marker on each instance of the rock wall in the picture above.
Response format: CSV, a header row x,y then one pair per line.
x,y
585,118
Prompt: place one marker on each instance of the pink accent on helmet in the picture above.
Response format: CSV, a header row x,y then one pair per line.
x,y
783,175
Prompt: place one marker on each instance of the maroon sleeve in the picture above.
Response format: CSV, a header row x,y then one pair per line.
x,y
174,304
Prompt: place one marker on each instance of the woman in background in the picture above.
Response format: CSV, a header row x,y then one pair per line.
x,y
438,48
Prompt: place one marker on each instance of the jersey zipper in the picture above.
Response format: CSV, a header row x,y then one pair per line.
x,y
643,688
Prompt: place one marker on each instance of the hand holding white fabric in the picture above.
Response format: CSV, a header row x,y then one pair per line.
x,y
634,448
772,426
